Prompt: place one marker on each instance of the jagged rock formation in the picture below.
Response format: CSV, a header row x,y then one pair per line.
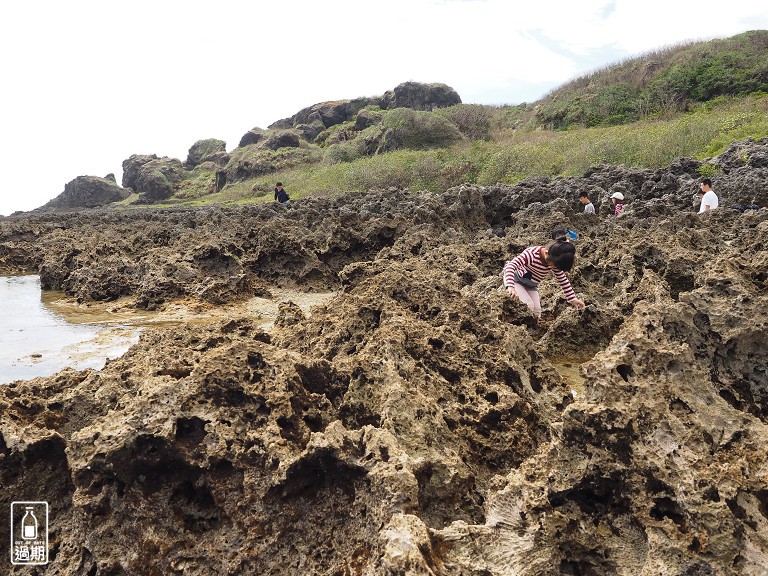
x,y
416,95
87,192
420,422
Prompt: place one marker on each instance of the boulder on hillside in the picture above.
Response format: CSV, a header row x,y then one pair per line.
x,y
420,96
203,150
87,192
327,113
132,167
157,179
253,136
367,118
310,131
416,95
281,139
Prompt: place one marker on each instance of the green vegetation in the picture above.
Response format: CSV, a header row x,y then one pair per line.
x,y
509,156
658,83
687,101
200,183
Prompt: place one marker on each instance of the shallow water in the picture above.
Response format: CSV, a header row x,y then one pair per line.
x,y
40,336
42,333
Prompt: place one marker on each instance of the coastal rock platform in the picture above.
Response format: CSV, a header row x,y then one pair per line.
x,y
419,421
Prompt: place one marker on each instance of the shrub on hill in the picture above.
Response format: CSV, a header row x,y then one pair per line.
x,y
401,128
252,161
407,128
472,120
660,82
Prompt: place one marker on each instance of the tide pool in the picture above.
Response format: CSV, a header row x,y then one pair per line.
x,y
36,340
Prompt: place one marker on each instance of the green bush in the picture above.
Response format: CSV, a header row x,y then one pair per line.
x,y
251,161
198,184
344,152
709,170
472,120
665,81
334,134
407,128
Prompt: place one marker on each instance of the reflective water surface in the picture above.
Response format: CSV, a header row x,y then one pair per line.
x,y
41,334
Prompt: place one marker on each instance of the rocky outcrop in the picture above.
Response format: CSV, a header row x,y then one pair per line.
x,y
87,192
132,168
326,113
420,96
279,139
414,95
366,119
253,136
158,178
420,422
259,159
207,150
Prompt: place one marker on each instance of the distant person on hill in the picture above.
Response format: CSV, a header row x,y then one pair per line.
x,y
617,199
709,200
589,208
525,271
280,194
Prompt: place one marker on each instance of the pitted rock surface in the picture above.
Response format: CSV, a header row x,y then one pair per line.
x,y
416,423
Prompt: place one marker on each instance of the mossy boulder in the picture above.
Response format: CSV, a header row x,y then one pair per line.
x,y
367,118
415,95
158,178
132,168
254,161
209,149
419,96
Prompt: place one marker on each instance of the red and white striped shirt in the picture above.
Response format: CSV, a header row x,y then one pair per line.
x,y
531,259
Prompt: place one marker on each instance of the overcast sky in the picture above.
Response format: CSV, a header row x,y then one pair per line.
x,y
88,83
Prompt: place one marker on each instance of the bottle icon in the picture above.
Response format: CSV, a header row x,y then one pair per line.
x,y
29,525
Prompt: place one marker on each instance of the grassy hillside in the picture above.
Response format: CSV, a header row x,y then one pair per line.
x,y
661,82
509,156
691,100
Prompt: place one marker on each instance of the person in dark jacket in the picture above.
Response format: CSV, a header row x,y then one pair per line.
x,y
280,194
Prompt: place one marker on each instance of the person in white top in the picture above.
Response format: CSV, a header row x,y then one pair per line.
x,y
589,208
708,197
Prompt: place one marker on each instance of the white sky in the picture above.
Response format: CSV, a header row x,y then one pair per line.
x,y
87,83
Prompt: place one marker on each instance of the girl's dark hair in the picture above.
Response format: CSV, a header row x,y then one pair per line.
x,y
562,254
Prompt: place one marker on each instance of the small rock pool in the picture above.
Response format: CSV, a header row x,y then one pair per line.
x,y
41,333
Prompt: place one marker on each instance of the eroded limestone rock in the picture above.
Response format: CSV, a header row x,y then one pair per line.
x,y
418,422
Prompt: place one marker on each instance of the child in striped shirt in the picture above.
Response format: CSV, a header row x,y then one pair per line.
x,y
525,271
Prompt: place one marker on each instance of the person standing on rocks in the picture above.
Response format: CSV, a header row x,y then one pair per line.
x,y
709,200
589,208
525,271
280,194
617,199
